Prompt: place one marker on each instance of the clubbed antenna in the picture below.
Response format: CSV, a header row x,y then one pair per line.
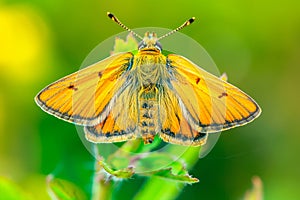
x,y
110,15
186,23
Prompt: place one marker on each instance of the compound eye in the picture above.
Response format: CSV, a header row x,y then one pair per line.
x,y
158,46
142,45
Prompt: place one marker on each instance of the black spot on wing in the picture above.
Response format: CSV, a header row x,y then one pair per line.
x,y
224,94
72,87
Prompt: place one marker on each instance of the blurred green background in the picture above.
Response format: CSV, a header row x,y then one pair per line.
x,y
255,42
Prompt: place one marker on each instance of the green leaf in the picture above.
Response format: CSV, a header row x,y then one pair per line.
x,y
63,190
127,45
173,169
165,188
120,173
168,174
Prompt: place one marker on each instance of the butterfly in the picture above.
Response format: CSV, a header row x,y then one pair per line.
x,y
140,95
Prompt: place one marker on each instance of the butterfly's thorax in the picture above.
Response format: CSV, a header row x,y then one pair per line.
x,y
150,66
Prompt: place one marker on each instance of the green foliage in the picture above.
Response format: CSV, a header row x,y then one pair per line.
x,y
175,171
168,173
63,190
121,173
125,45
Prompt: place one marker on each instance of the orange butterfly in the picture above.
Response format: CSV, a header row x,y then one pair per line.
x,y
127,96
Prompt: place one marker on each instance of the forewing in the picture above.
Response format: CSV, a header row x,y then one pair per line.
x,y
212,104
85,97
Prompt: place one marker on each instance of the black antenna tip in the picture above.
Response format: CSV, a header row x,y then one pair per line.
x,y
191,20
110,15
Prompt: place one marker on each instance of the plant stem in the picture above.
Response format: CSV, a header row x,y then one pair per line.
x,y
102,186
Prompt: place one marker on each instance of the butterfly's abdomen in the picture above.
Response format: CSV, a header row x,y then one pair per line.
x,y
148,115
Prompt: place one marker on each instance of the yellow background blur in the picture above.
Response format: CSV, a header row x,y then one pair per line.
x,y
255,42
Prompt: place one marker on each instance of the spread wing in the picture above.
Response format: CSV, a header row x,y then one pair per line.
x,y
121,122
175,127
196,102
212,104
87,96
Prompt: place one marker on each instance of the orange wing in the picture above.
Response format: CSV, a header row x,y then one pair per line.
x,y
87,96
208,103
121,122
174,126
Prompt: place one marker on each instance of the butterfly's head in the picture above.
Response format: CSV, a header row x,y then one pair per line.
x,y
150,41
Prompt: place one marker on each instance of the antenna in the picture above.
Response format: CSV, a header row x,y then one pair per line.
x,y
112,16
185,24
